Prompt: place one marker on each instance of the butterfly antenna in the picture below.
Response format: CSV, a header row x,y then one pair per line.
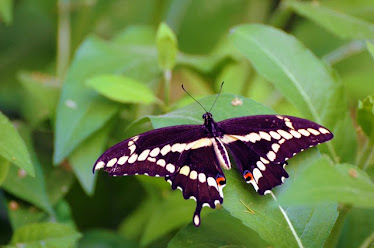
x,y
219,93
193,98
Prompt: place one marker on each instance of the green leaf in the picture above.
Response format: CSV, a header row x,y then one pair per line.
x,y
31,189
192,114
300,76
359,224
172,213
83,159
370,46
81,111
365,116
136,35
230,233
4,168
6,11
167,46
312,223
12,147
133,226
41,96
45,235
24,214
323,182
122,89
104,239
338,23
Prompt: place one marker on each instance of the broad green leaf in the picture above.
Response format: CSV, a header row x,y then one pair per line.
x,y
192,114
12,147
45,235
219,229
21,214
172,213
370,46
236,78
312,223
6,11
41,96
121,89
58,182
359,225
81,111
133,226
136,35
28,188
167,46
104,239
300,76
338,23
323,182
365,116
84,157
4,168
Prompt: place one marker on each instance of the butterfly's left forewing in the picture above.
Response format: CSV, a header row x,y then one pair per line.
x,y
184,155
262,144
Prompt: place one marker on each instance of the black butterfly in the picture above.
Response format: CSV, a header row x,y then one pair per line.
x,y
190,157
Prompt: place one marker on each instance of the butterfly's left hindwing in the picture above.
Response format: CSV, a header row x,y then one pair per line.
x,y
182,154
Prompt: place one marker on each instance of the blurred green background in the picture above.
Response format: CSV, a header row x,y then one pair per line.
x,y
78,76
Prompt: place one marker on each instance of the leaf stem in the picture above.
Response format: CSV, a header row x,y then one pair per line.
x,y
298,240
345,51
63,38
167,80
365,156
368,159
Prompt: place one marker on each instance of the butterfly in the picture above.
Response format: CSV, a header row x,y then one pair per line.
x,y
191,157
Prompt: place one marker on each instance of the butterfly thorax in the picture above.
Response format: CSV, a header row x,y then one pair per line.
x,y
211,126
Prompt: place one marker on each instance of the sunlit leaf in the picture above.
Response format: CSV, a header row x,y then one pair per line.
x,y
122,89
267,220
370,46
323,182
45,235
28,188
300,76
83,158
309,221
167,45
338,23
81,111
104,239
358,226
365,116
172,213
4,168
231,233
6,11
12,147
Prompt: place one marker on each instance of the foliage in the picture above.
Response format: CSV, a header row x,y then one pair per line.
x,y
114,69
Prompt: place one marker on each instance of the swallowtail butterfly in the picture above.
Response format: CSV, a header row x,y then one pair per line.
x,y
191,157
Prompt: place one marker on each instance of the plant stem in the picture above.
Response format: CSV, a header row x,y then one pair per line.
x,y
345,51
365,156
298,240
167,79
63,38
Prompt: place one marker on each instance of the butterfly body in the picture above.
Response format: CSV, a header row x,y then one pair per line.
x,y
191,157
